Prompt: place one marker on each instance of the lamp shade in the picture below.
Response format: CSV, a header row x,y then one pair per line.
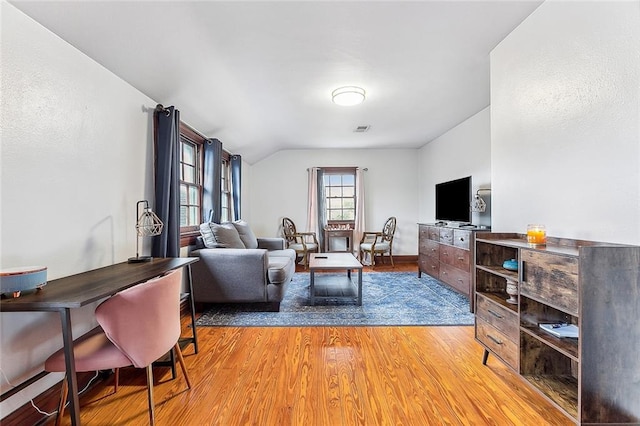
x,y
478,204
348,95
149,224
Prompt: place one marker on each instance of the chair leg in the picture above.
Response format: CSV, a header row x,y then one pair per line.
x,y
172,361
116,379
152,416
178,352
63,400
391,257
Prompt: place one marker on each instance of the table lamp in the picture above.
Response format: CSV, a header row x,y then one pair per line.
x,y
148,224
479,205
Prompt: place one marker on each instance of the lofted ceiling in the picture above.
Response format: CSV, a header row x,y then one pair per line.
x,y
259,75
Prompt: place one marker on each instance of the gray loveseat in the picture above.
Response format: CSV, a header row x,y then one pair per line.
x,y
238,267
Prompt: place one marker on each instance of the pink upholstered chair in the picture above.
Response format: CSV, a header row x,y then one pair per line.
x,y
137,326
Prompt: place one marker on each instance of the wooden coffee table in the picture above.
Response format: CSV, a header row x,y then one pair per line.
x,y
332,287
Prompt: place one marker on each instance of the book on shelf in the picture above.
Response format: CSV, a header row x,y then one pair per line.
x,y
561,330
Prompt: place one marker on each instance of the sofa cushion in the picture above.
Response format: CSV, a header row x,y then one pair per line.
x,y
224,235
246,234
283,253
279,267
208,239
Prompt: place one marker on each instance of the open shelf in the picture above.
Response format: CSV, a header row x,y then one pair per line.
x,y
566,346
533,313
561,390
494,286
500,271
491,256
551,371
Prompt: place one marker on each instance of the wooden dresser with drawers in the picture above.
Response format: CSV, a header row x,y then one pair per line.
x,y
447,254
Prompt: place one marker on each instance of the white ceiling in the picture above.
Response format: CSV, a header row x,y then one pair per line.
x,y
258,75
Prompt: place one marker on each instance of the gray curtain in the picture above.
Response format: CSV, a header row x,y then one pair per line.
x,y
211,187
322,211
236,169
167,179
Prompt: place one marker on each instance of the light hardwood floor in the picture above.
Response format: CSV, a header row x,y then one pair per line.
x,y
327,376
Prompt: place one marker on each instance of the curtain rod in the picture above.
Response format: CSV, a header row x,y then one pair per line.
x,y
161,108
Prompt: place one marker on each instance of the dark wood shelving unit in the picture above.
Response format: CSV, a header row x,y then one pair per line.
x,y
589,284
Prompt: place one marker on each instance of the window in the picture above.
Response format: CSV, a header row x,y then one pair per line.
x,y
191,158
190,183
340,195
225,202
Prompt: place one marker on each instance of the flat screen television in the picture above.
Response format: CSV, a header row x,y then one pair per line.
x,y
453,200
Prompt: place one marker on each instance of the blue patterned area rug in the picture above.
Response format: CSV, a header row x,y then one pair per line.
x,y
388,298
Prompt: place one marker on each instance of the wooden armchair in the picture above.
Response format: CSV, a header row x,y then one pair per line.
x,y
378,243
302,242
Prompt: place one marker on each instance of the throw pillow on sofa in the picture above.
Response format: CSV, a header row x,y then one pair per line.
x,y
208,239
220,235
246,234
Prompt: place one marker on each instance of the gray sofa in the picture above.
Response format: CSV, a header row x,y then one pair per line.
x,y
228,273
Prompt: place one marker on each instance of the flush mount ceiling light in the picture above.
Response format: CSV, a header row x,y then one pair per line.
x,y
348,96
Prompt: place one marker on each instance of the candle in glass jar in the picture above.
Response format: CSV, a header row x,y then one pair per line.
x,y
536,234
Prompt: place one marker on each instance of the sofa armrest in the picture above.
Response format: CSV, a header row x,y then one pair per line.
x,y
274,243
226,274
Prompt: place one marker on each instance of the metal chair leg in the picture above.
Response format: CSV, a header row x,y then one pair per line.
x,y
116,379
63,400
152,417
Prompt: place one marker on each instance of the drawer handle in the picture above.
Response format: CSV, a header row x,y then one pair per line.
x,y
444,272
444,253
496,341
433,250
495,314
461,258
460,280
433,266
461,239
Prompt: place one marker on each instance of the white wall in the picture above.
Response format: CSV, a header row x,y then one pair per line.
x,y
565,101
75,142
279,188
463,151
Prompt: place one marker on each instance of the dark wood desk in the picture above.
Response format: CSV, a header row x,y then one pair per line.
x,y
79,290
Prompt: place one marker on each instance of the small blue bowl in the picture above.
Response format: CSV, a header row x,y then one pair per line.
x,y
13,281
511,265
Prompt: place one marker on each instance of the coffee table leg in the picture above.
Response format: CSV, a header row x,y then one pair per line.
x,y
360,287
312,290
